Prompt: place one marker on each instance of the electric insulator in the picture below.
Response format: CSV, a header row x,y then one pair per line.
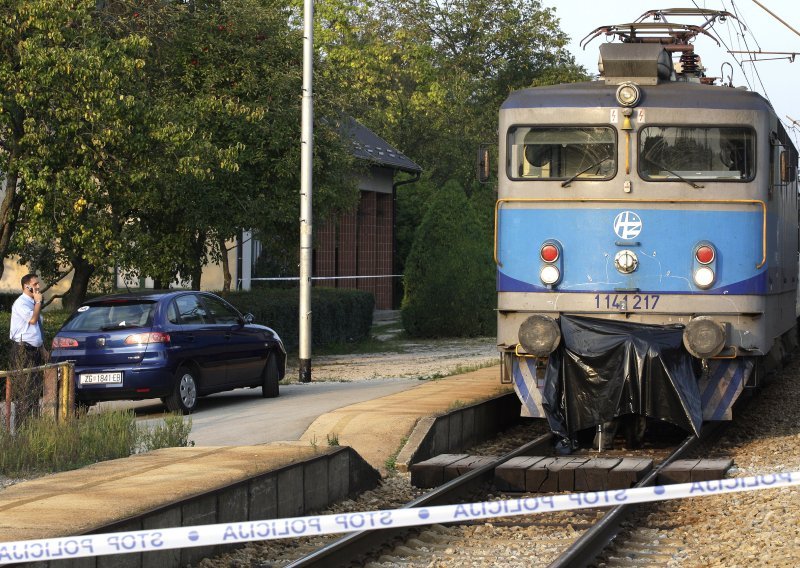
x,y
690,62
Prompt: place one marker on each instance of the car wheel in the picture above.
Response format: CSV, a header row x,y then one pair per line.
x,y
184,396
269,385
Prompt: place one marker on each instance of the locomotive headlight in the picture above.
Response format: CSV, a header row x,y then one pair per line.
x,y
549,274
628,94
703,337
703,277
539,335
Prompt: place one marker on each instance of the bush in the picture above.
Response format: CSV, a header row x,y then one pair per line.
x,y
338,315
449,277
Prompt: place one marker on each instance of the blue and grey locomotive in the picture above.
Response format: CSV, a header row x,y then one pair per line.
x,y
646,238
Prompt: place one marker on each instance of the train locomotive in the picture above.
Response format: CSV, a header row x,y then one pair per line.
x,y
646,239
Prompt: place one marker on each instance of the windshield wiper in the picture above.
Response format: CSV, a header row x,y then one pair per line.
x,y
677,175
568,181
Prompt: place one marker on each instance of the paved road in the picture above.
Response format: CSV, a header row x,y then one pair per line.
x,y
242,417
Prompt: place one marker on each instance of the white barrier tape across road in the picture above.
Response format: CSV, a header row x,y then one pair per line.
x,y
314,525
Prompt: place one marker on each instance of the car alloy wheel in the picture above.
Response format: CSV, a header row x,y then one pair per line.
x,y
184,397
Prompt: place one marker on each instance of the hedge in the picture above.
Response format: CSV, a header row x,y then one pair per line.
x,y
338,316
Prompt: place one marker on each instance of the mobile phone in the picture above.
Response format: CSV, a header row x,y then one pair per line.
x,y
30,288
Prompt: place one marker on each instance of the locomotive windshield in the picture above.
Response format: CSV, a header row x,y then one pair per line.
x,y
667,153
562,153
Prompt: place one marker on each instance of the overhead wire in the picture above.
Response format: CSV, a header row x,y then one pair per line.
x,y
739,36
744,38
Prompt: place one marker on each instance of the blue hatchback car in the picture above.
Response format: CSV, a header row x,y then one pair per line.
x,y
176,345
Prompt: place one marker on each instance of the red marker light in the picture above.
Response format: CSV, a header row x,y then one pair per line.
x,y
549,252
704,254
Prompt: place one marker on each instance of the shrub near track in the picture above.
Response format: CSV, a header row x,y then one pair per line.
x,y
449,276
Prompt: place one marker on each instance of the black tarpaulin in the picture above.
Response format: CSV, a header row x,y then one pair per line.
x,y
604,369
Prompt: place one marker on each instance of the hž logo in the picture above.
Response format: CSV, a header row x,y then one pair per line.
x,y
627,225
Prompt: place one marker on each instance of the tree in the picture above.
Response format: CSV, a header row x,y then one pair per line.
x,y
431,75
449,276
172,127
231,76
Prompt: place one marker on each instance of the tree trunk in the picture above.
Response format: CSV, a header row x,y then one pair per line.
x,y
9,213
199,250
80,284
226,268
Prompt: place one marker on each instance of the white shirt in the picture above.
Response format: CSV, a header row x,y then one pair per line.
x,y
21,329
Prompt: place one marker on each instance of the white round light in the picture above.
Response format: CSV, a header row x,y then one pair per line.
x,y
549,274
703,277
626,261
628,94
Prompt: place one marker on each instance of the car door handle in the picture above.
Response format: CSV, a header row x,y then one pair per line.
x,y
227,336
190,337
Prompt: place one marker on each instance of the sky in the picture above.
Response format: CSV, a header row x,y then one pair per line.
x,y
778,80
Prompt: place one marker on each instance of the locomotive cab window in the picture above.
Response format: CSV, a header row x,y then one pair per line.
x,y
672,153
561,153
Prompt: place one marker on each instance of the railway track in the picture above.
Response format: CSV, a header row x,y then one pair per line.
x,y
349,548
575,539
585,550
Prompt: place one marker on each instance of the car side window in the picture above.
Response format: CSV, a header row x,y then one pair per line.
x,y
220,312
172,314
190,310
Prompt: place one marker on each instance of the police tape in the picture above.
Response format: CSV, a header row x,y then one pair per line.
x,y
315,525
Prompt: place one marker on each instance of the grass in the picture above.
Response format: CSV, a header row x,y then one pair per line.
x,y
391,461
459,370
455,405
41,445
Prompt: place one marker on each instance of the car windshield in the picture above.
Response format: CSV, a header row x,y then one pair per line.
x,y
562,153
669,153
107,316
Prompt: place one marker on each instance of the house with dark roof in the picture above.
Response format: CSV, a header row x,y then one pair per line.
x,y
357,249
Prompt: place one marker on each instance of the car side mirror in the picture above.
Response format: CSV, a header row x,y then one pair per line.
x,y
248,318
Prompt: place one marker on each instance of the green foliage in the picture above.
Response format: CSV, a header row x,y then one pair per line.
x,y
173,432
338,315
144,136
449,276
431,76
44,446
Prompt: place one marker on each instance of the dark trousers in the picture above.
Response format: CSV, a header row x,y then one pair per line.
x,y
26,388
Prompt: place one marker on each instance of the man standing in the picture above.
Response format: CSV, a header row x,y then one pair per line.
x,y
27,349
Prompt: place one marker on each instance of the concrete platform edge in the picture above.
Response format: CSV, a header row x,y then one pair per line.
x,y
458,429
296,489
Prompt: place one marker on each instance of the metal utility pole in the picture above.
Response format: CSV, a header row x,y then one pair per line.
x,y
307,151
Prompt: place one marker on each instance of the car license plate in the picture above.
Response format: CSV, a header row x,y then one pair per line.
x,y
100,378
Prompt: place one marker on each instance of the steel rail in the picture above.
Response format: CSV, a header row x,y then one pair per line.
x,y
591,543
347,548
